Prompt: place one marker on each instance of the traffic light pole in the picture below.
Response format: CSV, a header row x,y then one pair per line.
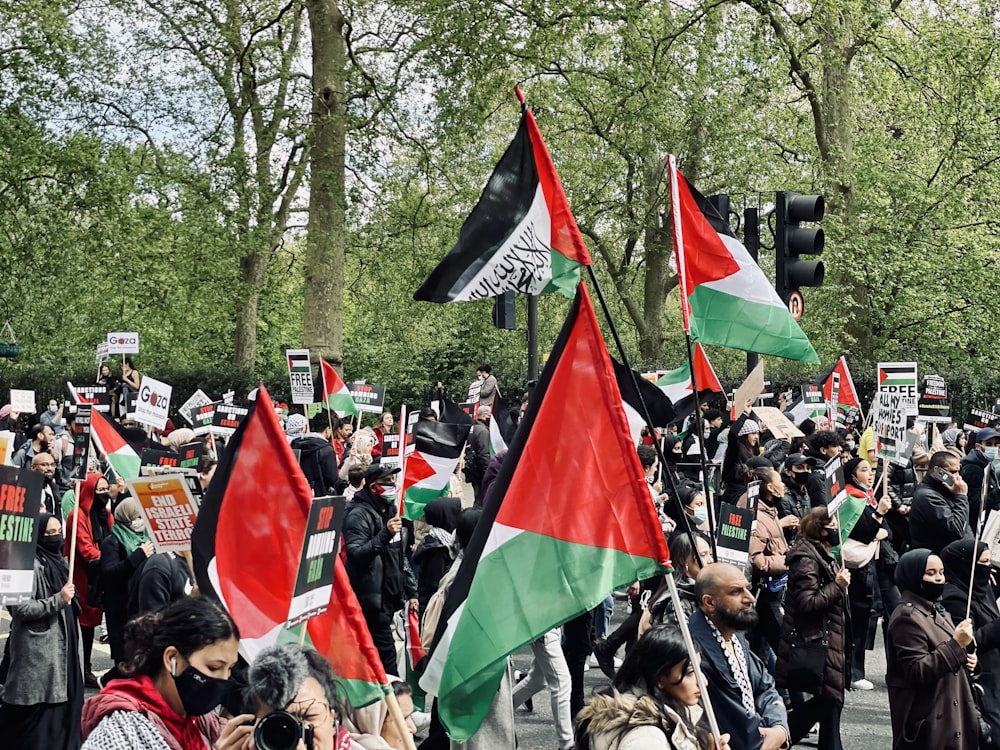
x,y
751,240
532,335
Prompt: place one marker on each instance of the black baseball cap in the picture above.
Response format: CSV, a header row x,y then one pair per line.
x,y
799,459
375,472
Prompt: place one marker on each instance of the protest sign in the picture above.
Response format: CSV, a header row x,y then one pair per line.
x,y
300,375
202,417
227,418
813,400
81,441
933,405
96,395
168,509
889,424
774,420
191,454
6,446
196,399
153,402
20,501
767,394
474,388
159,457
367,397
314,579
22,401
748,390
836,486
733,539
101,354
123,343
979,419
901,378
390,449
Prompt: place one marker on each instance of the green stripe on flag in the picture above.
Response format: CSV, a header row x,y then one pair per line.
x,y
521,589
416,500
726,320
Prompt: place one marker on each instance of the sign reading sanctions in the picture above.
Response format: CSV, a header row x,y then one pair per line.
x,y
168,509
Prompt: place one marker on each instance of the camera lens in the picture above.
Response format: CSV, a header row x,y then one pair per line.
x,y
277,731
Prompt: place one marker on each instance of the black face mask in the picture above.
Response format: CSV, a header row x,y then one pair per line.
x,y
101,498
799,477
982,573
53,543
931,591
200,693
833,537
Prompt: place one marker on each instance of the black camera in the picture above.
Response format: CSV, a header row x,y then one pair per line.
x,y
282,731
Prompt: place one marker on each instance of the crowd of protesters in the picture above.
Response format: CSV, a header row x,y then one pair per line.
x,y
777,643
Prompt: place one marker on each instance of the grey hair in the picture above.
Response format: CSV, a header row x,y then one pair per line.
x,y
276,676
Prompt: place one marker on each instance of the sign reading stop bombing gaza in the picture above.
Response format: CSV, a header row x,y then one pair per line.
x,y
152,402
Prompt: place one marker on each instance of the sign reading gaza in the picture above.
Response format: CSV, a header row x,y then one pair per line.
x,y
123,343
152,403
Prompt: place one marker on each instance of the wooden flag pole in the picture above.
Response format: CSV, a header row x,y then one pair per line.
x,y
76,526
979,533
396,714
689,644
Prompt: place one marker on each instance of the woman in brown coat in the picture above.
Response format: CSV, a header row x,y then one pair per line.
x,y
930,700
816,609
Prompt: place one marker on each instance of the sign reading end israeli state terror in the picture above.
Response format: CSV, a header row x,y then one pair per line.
x,y
152,402
168,509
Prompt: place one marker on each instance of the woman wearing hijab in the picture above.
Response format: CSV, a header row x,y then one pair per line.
x,y
985,616
930,700
122,552
436,551
94,525
43,692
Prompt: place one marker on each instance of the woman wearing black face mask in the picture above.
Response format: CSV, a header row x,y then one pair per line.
x,y
816,611
43,691
985,616
177,674
95,524
930,700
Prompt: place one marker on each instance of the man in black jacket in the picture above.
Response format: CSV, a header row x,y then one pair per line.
x,y
823,445
379,572
477,453
317,457
939,514
977,471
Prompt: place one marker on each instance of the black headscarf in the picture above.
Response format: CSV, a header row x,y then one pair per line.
x,y
957,558
443,512
53,564
910,570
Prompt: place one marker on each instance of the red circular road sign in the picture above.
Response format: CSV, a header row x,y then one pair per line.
x,y
796,305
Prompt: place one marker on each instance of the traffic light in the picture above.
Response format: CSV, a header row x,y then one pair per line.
x,y
792,240
504,315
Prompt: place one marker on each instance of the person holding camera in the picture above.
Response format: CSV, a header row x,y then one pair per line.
x,y
177,673
292,704
939,514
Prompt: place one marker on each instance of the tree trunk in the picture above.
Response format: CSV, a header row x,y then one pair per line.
x,y
253,270
323,310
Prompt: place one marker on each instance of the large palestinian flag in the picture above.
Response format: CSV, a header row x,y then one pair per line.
x,y
502,427
437,447
114,443
246,550
679,386
332,392
521,236
541,555
725,298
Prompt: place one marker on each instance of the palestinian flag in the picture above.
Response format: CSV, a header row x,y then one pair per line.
x,y
502,427
677,385
332,392
521,236
246,550
116,445
837,380
452,413
437,447
725,298
541,555
661,411
897,373
414,656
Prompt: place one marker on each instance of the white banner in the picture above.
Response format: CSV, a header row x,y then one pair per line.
x,y
22,402
152,402
123,343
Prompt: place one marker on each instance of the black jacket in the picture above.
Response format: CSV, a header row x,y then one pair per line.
x,y
974,467
937,517
318,460
117,570
379,572
157,583
477,456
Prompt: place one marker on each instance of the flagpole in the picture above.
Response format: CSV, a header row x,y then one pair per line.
x,y
700,435
644,413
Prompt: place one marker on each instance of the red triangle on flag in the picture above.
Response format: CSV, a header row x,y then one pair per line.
x,y
417,469
704,372
707,258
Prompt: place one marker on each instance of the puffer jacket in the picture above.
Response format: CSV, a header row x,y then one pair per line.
x,y
629,721
767,545
816,607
